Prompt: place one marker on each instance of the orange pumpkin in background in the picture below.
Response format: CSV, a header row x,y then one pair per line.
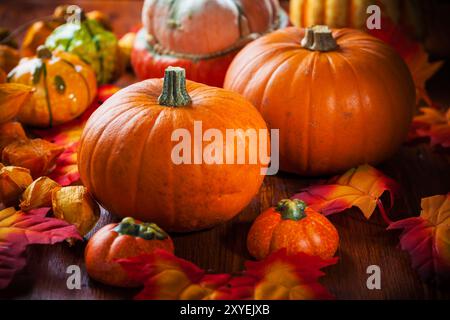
x,y
64,86
293,226
125,155
353,13
201,36
340,98
126,239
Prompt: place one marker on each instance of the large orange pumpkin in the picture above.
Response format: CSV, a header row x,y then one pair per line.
x,y
64,86
201,36
340,99
125,155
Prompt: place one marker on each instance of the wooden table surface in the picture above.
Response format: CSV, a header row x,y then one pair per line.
x,y
421,171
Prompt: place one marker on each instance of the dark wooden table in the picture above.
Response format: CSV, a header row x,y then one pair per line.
x,y
421,171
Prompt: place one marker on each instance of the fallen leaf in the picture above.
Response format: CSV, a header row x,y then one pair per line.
x,y
288,277
37,155
167,277
427,239
13,97
68,136
19,229
434,124
279,276
361,187
412,52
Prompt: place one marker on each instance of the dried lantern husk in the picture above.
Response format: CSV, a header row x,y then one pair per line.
x,y
75,205
13,97
37,155
13,182
10,132
38,194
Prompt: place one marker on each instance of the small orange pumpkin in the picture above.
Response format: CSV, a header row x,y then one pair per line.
x,y
64,86
293,226
125,154
340,98
126,239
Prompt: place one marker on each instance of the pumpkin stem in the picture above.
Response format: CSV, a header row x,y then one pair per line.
x,y
43,52
291,209
174,91
319,38
148,231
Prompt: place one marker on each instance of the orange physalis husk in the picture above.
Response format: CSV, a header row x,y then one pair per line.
x,y
38,194
432,123
75,205
361,187
13,182
19,229
427,239
13,97
279,276
37,155
68,136
10,132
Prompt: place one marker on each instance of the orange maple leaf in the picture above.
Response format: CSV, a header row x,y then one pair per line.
x,y
361,187
19,229
279,276
427,238
434,124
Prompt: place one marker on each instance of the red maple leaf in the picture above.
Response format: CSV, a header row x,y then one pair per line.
x,y
434,124
427,238
19,230
279,276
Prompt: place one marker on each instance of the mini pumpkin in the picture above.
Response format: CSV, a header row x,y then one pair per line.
x,y
122,240
340,98
38,32
92,43
200,36
64,86
293,226
127,145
